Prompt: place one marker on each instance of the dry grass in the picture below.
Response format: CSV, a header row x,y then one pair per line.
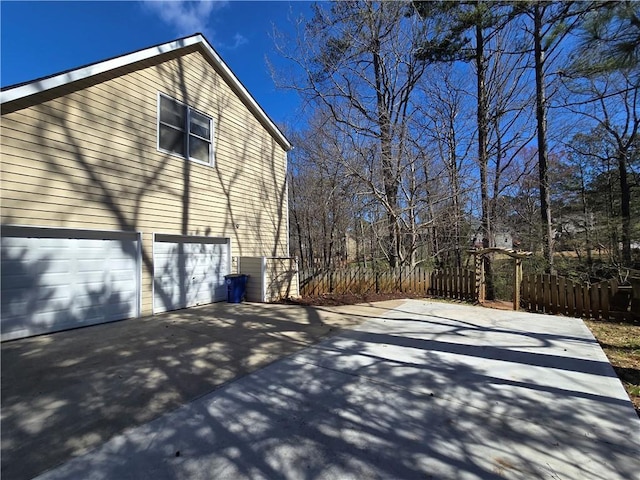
x,y
621,344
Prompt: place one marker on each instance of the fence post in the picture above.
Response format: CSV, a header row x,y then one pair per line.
x,y
562,296
586,300
432,282
554,293
571,298
577,290
314,282
595,301
516,282
604,300
447,282
545,281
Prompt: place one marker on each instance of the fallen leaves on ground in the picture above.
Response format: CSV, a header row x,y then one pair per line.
x,y
621,343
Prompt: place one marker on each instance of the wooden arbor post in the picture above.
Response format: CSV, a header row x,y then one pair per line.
x,y
479,271
517,282
478,256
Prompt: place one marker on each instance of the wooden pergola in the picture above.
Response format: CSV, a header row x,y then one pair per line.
x,y
478,257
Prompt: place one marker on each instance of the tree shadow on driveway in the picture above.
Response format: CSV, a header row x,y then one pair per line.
x,y
70,391
370,404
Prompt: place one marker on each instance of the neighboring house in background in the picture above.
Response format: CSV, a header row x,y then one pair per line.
x,y
133,185
501,240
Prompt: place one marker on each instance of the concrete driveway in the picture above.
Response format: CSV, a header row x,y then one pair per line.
x,y
424,390
65,393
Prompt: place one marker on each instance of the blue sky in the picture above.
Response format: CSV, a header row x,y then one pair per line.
x,y
41,38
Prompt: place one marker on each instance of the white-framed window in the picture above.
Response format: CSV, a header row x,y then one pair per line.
x,y
184,131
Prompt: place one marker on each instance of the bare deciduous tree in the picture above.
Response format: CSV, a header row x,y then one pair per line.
x,y
358,62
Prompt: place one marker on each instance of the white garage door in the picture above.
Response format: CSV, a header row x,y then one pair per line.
x,y
189,271
55,279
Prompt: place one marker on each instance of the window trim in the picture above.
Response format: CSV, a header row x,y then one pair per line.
x,y
185,131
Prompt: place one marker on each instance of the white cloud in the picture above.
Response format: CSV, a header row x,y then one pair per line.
x,y
186,17
239,40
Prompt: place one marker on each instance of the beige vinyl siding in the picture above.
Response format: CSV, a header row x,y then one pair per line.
x,y
253,266
89,159
282,279
270,279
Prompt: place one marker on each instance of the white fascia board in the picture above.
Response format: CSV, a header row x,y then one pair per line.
x,y
244,93
32,88
94,69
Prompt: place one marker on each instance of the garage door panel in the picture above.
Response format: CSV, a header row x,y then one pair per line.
x,y
51,266
19,283
107,309
32,266
187,273
118,284
55,283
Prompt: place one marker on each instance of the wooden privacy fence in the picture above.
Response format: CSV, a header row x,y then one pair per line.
x,y
539,293
556,295
454,283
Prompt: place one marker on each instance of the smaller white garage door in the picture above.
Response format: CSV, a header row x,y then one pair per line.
x,y
56,279
189,271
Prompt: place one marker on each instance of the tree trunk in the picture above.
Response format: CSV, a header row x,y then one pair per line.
x,y
625,209
483,135
587,220
455,191
541,116
612,226
386,152
482,131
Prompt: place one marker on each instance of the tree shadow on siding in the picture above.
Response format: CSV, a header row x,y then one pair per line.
x,y
255,193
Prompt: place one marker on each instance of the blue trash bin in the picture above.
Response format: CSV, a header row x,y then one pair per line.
x,y
236,287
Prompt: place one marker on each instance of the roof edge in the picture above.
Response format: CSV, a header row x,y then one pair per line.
x,y
16,92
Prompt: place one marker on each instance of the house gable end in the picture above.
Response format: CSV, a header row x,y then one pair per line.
x,y
21,96
40,92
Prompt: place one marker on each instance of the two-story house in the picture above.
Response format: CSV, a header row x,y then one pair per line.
x,y
132,186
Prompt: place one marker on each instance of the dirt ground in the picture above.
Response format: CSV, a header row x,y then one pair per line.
x,y
334,300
